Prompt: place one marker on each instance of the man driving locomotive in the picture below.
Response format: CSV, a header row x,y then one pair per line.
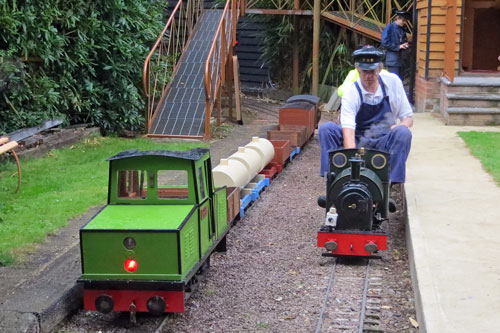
x,y
371,109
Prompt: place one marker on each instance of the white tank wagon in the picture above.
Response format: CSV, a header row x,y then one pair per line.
x,y
264,148
238,169
230,173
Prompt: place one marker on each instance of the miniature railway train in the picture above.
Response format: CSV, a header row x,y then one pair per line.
x,y
168,211
357,202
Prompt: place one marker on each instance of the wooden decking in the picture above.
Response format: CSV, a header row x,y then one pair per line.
x,y
355,23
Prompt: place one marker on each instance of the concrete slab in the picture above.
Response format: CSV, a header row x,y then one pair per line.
x,y
453,231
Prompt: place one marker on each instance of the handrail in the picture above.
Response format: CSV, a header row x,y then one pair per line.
x,y
378,12
215,65
161,63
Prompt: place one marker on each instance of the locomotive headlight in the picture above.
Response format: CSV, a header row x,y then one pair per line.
x,y
339,160
130,265
129,243
378,161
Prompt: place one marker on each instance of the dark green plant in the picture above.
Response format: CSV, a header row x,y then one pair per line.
x,y
336,46
80,60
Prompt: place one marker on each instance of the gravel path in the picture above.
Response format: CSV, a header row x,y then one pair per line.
x,y
273,278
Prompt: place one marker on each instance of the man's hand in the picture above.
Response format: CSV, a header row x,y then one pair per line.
x,y
403,46
408,122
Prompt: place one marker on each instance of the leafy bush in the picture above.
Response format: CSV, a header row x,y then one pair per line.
x,y
336,46
81,60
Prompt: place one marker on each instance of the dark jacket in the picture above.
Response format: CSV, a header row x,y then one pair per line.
x,y
393,36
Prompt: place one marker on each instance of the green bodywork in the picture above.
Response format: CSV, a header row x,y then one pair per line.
x,y
166,202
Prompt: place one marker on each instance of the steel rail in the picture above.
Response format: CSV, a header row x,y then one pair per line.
x,y
325,302
331,284
363,303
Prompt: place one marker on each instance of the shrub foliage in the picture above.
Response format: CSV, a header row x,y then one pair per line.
x,y
336,46
81,60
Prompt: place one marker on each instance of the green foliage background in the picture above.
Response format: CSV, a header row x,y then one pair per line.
x,y
336,46
81,60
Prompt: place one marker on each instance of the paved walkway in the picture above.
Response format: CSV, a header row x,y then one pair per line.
x,y
454,231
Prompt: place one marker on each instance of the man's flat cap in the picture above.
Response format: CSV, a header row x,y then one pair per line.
x,y
368,57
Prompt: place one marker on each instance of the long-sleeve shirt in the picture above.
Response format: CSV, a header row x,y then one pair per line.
x,y
392,37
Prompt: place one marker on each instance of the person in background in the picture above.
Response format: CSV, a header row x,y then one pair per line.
x,y
394,40
370,110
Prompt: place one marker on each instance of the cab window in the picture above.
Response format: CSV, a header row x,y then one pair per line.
x,y
173,184
132,184
201,181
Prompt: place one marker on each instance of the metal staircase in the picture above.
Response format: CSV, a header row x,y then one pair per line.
x,y
189,63
184,70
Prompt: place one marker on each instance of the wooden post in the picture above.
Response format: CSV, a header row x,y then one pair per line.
x,y
234,14
315,56
295,55
219,105
388,12
450,39
229,82
223,52
236,77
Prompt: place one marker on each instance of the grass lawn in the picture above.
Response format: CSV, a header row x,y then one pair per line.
x,y
62,185
486,147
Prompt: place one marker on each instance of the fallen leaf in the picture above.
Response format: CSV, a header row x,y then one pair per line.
x,y
413,322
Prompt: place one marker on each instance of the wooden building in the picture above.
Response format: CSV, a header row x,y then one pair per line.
x,y
458,65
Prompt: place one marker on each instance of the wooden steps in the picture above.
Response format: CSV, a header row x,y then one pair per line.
x,y
471,101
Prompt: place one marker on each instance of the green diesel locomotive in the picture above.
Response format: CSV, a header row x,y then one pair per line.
x,y
163,220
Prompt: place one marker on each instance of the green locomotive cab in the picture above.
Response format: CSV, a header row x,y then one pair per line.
x,y
163,219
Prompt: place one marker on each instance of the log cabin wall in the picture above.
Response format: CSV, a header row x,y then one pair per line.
x,y
430,44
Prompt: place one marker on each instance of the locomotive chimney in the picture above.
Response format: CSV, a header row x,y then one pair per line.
x,y
355,167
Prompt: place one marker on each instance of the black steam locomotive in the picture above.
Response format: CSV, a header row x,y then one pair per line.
x,y
356,203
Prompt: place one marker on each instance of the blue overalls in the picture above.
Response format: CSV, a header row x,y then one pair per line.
x,y
373,130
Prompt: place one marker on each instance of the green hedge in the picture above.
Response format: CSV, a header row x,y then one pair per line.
x,y
77,59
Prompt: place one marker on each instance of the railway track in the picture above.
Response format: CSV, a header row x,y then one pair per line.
x,y
352,298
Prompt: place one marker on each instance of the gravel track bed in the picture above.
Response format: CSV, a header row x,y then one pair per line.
x,y
272,277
